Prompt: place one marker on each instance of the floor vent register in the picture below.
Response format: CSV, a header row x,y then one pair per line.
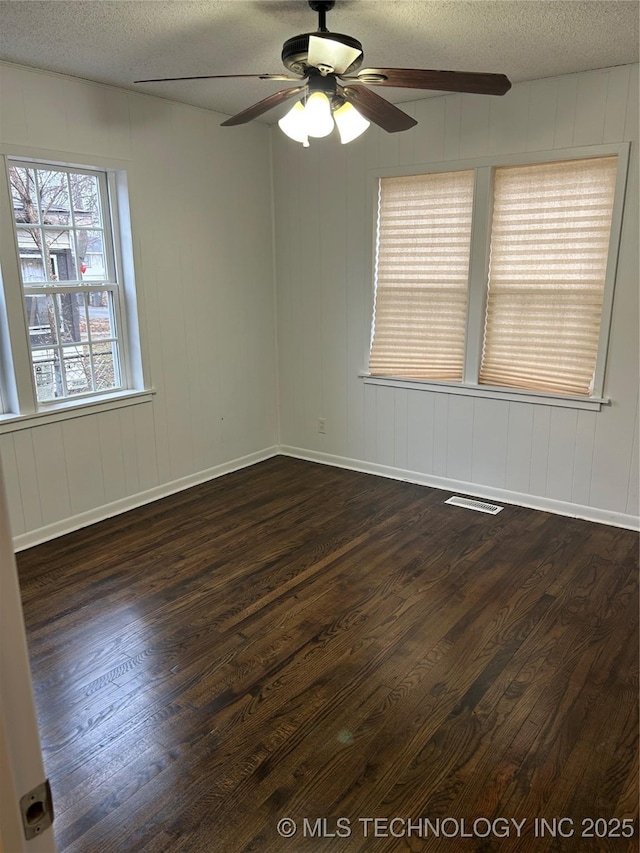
x,y
478,506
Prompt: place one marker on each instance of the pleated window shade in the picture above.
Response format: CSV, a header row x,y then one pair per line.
x,y
422,273
549,247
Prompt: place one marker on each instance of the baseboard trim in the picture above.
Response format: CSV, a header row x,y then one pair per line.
x,y
570,510
84,519
76,522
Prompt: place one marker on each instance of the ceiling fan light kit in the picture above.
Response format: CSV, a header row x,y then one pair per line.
x,y
319,116
328,95
349,122
294,124
319,111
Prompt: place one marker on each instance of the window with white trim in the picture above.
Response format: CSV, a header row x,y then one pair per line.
x,y
74,341
422,271
499,277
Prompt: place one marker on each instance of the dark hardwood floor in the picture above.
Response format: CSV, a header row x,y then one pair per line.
x,y
297,641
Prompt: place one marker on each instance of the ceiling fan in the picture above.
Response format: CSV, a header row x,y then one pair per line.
x,y
323,64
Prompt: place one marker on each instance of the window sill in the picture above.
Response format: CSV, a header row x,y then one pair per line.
x,y
490,392
12,422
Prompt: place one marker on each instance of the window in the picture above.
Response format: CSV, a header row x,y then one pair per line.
x,y
422,268
499,277
549,246
75,344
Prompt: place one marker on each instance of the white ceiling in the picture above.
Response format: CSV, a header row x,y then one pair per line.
x,y
119,41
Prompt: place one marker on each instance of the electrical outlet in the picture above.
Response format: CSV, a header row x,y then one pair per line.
x,y
322,426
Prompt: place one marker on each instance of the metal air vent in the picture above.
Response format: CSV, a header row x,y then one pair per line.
x,y
478,506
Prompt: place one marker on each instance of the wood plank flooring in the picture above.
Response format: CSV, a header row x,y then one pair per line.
x,y
297,641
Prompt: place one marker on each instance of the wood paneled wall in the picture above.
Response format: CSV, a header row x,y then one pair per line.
x,y
577,461
201,214
203,200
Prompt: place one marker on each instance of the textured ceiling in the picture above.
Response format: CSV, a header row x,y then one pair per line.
x,y
116,42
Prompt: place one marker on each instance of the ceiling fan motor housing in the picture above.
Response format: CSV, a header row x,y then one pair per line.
x,y
295,51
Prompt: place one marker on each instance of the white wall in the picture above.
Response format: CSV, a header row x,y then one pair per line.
x,y
202,221
580,462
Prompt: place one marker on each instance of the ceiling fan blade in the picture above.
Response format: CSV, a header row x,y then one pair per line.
x,y
327,51
449,81
263,106
377,109
221,77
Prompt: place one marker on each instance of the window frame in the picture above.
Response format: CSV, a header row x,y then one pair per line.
x,y
19,407
484,168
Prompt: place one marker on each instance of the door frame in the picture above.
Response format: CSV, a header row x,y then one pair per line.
x,y
21,762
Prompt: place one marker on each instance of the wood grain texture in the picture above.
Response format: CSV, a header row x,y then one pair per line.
x,y
294,640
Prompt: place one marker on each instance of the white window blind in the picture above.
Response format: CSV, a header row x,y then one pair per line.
x,y
422,272
549,247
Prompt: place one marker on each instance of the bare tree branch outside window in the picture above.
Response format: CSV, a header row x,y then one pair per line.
x,y
69,292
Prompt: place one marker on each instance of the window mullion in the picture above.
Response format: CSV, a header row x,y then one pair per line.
x,y
478,269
